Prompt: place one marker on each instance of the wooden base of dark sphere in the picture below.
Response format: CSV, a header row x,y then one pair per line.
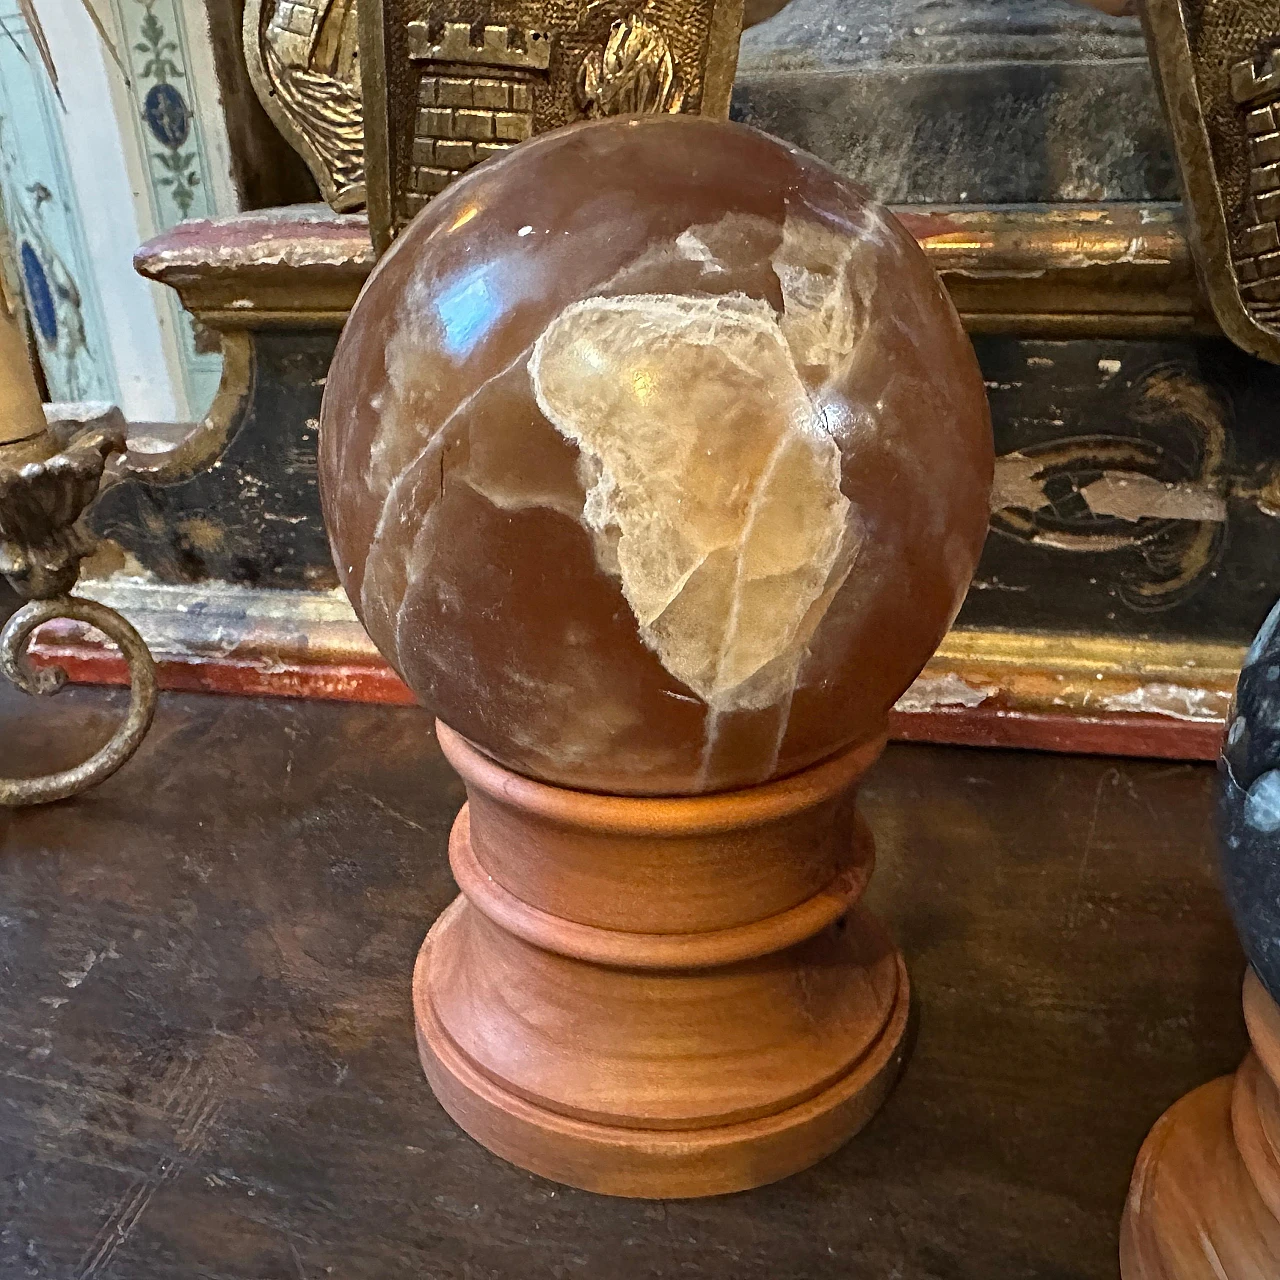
x,y
660,997
1204,1203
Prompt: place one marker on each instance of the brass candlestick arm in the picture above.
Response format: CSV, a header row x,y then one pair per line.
x,y
47,482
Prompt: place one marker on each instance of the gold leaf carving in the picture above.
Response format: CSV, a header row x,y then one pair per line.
x,y
304,60
635,72
452,84
1217,63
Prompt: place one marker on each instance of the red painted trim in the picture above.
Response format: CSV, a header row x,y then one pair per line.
x,y
1113,734
1116,733
339,682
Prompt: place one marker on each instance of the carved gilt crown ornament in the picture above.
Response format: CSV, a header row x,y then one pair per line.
x,y
1217,63
449,83
304,61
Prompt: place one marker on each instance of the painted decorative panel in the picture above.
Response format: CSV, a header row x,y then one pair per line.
x,y
155,42
127,154
46,225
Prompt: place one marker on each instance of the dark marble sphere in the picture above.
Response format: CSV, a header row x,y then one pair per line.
x,y
1249,805
655,459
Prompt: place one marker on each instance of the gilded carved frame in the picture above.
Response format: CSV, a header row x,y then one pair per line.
x,y
304,62
450,83
1217,65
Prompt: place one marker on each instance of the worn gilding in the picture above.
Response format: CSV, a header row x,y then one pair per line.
x,y
448,85
304,61
1217,68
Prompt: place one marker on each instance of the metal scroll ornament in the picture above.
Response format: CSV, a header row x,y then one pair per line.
x,y
449,84
1218,66
46,483
304,60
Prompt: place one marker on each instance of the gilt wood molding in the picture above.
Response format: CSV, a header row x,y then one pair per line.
x,y
1048,271
1048,691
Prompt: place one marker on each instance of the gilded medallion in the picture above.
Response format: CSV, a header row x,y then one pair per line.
x,y
304,61
449,84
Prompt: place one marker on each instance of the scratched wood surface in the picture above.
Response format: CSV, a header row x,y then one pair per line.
x,y
207,1065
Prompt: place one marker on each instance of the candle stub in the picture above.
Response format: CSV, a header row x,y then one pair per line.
x,y
21,413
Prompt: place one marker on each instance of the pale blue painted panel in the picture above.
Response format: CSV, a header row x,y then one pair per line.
x,y
45,221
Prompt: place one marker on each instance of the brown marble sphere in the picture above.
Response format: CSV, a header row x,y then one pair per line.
x,y
655,459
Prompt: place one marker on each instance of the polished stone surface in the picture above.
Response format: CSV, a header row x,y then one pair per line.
x,y
1249,805
655,459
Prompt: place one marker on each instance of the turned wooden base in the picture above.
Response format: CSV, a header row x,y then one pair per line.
x,y
660,997
1204,1203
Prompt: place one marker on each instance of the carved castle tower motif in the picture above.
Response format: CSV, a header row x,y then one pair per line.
x,y
1255,87
319,35
449,84
474,100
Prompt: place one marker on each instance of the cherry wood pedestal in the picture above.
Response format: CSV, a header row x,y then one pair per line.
x,y
660,997
1204,1203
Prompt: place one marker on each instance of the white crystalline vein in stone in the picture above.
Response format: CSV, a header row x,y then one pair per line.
x,y
713,489
827,280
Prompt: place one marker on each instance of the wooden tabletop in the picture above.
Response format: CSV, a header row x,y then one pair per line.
x,y
207,1066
